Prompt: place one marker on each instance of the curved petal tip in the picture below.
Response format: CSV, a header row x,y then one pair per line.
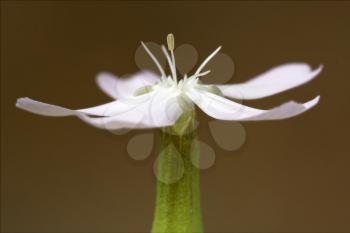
x,y
317,71
312,102
22,102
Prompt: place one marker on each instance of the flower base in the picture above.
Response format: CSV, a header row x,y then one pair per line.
x,y
178,184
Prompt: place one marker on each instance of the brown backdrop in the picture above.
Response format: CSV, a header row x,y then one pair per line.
x,y
60,175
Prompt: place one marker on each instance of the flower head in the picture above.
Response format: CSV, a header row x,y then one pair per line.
x,y
147,100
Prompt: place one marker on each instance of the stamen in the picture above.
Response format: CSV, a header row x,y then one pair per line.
x,y
154,60
185,77
203,73
207,60
171,47
173,59
171,65
200,74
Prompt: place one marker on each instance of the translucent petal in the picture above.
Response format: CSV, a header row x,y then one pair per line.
x,y
206,157
140,146
221,69
228,135
186,57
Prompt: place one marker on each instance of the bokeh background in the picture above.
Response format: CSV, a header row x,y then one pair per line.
x,y
60,175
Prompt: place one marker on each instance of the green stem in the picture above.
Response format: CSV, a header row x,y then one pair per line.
x,y
178,184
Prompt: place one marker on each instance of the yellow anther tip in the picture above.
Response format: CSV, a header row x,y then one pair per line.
x,y
171,41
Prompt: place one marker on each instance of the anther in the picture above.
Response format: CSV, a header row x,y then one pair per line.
x,y
171,41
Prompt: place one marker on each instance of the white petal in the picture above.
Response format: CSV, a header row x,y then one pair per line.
x,y
286,110
224,109
161,110
271,82
119,88
40,108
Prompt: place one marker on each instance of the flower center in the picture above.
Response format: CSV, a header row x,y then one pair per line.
x,y
172,79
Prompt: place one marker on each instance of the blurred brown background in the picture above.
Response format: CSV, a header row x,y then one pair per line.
x,y
60,175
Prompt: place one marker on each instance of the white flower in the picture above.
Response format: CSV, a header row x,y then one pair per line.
x,y
147,100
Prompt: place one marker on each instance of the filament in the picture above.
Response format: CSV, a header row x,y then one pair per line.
x,y
207,60
154,60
